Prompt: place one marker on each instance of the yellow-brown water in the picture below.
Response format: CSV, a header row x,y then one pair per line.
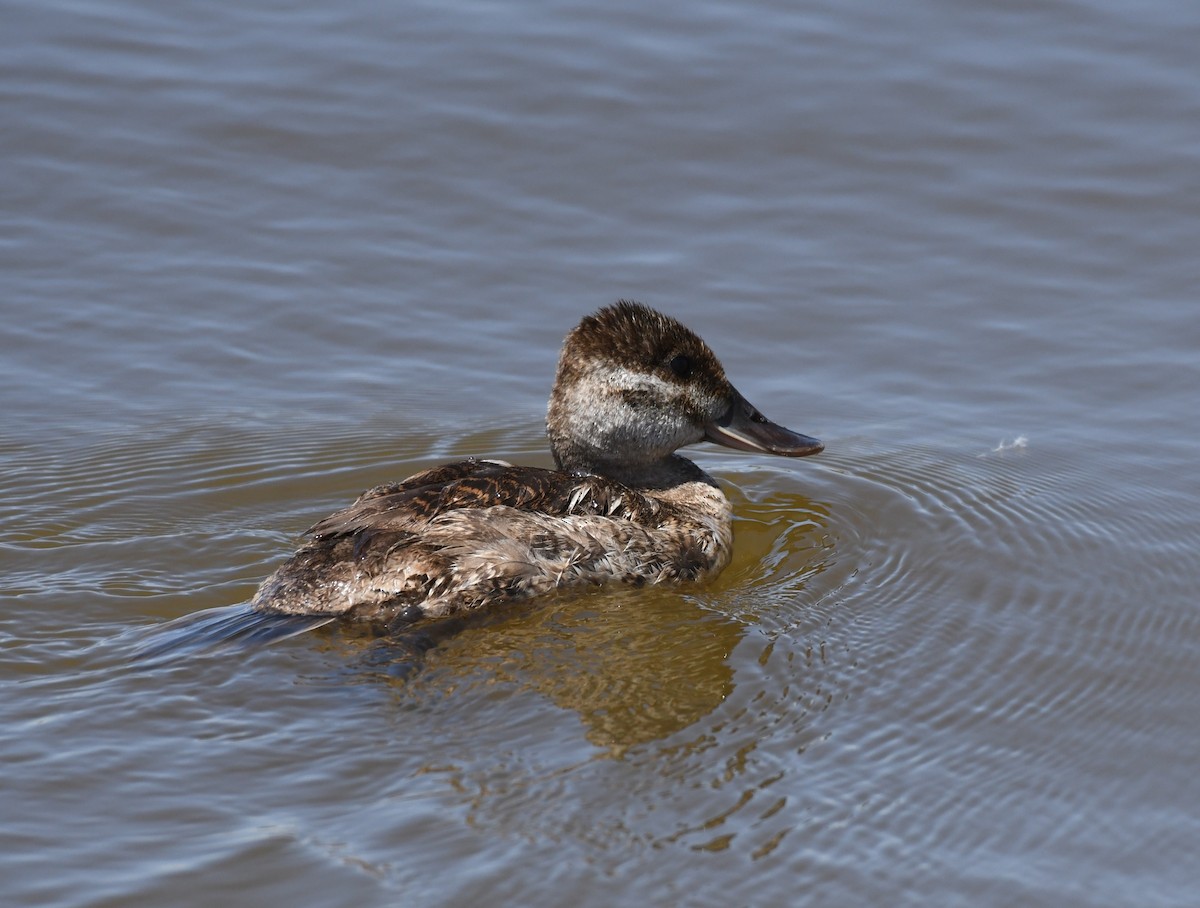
x,y
256,260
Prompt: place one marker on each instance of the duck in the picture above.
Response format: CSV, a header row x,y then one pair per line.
x,y
621,505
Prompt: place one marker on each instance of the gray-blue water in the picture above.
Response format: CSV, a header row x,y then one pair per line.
x,y
257,258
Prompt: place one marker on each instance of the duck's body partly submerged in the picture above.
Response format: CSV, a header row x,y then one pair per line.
x,y
632,386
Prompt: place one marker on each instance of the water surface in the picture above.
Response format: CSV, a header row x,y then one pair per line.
x,y
255,260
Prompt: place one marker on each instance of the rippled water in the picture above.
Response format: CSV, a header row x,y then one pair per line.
x,y
254,260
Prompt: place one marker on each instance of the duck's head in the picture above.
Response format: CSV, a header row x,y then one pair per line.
x,y
634,385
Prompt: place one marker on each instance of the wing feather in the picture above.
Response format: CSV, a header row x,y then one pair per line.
x,y
405,506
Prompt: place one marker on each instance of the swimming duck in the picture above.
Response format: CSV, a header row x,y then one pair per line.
x,y
632,386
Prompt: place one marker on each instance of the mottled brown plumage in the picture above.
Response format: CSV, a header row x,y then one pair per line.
x,y
632,386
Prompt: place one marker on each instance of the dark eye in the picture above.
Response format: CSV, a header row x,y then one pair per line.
x,y
682,365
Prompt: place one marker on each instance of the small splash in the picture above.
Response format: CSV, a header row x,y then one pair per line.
x,y
1020,443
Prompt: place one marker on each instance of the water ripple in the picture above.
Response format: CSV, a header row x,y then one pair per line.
x,y
895,638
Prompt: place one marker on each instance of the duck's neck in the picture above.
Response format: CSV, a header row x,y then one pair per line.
x,y
665,473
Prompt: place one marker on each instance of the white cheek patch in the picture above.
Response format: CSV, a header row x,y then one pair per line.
x,y
623,379
655,425
616,409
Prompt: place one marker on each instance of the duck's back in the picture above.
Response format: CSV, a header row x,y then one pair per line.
x,y
471,534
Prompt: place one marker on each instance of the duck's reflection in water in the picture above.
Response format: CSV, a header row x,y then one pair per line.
x,y
635,665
